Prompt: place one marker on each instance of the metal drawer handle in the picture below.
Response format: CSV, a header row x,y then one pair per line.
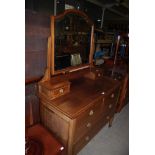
x,y
103,93
108,117
61,90
88,125
87,138
110,106
112,95
91,112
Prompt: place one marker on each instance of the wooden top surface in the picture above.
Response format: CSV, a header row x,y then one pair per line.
x,y
54,85
83,93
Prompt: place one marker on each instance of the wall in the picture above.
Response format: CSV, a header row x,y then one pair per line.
x,y
37,30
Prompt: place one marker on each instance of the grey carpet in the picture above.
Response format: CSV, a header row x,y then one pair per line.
x,y
111,141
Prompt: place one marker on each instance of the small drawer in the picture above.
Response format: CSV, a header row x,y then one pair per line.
x,y
53,90
59,92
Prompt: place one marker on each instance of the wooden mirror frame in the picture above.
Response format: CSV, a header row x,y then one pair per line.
x,y
52,38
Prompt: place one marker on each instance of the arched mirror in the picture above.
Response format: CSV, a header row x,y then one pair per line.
x,y
72,41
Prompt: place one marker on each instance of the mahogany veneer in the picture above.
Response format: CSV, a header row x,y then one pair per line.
x,y
77,116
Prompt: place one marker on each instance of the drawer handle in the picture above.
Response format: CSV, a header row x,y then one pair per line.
x,y
112,95
99,74
87,138
91,112
88,125
110,106
107,117
61,90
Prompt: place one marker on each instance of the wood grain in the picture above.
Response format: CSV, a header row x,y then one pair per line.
x,y
82,112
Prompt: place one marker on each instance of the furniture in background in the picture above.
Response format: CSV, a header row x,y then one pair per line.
x,y
39,141
76,101
119,69
37,30
124,94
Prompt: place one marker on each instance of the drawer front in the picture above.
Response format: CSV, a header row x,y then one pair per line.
x,y
88,136
60,91
82,142
112,97
109,115
54,93
87,120
110,103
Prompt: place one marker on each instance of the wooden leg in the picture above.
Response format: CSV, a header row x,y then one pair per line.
x,y
110,121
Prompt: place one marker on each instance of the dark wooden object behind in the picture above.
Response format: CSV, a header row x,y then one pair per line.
x,y
39,141
37,30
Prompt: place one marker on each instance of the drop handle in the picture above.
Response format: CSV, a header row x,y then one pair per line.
x,y
107,117
99,74
88,125
110,106
112,95
61,90
91,112
87,138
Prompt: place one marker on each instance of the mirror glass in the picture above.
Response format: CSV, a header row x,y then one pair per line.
x,y
72,41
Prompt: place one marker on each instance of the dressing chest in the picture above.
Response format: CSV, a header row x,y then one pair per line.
x,y
77,116
76,101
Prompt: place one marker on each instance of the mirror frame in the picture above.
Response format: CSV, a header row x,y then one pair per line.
x,y
71,68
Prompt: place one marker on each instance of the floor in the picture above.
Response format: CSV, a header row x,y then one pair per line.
x,y
111,141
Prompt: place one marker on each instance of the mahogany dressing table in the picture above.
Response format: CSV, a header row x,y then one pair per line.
x,y
75,101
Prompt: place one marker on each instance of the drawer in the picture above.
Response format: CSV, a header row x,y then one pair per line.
x,y
54,93
87,120
60,91
82,142
88,136
90,113
109,115
111,100
112,97
80,131
110,103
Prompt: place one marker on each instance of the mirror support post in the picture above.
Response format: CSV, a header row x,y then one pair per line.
x,y
91,47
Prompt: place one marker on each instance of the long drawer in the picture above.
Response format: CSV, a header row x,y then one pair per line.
x,y
88,136
87,119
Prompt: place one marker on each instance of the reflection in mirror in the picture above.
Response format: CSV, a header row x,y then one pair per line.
x,y
72,41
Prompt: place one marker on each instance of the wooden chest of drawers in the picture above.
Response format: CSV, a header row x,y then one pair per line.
x,y
77,116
